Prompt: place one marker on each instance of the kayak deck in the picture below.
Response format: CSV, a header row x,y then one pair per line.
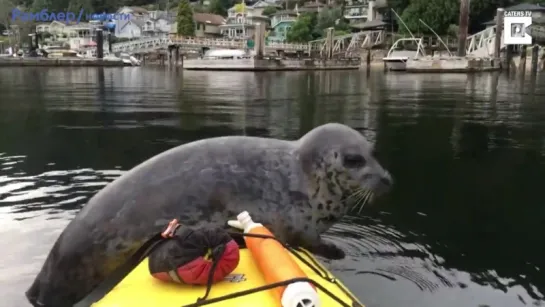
x,y
139,288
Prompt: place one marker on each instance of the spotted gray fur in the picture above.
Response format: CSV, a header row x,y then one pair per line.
x,y
298,189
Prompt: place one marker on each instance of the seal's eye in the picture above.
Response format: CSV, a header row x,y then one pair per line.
x,y
354,161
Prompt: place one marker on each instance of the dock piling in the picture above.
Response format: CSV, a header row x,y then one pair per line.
x,y
100,44
522,63
499,33
177,55
463,27
508,56
329,43
535,55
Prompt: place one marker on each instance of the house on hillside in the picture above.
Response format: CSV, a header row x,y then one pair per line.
x,y
356,11
373,18
206,25
281,22
158,23
259,6
146,24
129,28
136,12
241,19
311,7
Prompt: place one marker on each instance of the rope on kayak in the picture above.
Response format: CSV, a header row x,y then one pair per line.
x,y
312,264
268,287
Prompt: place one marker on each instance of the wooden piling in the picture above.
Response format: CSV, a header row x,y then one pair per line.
x,y
368,58
522,63
508,56
535,55
463,27
100,43
259,40
177,55
329,43
499,33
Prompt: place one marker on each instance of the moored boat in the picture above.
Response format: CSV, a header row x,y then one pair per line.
x,y
396,59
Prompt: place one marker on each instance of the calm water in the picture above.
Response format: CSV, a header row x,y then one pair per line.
x,y
464,225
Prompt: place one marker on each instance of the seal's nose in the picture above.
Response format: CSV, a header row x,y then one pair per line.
x,y
387,179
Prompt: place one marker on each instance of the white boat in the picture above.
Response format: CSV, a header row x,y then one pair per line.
x,y
396,59
129,60
126,58
60,51
222,59
226,54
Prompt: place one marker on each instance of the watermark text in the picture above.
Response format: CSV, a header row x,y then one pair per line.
x,y
66,17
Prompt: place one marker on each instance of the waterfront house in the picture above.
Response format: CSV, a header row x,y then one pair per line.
x,y
158,23
74,34
129,28
281,23
208,25
134,26
356,11
241,19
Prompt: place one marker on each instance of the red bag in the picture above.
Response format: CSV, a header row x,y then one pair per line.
x,y
189,256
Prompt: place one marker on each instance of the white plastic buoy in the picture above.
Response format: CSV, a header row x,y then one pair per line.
x,y
269,254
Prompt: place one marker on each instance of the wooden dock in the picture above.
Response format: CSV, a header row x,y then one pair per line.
x,y
58,62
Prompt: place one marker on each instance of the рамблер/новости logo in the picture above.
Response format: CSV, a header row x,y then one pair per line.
x,y
46,16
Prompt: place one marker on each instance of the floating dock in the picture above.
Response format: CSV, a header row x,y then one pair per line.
x,y
452,64
270,64
58,62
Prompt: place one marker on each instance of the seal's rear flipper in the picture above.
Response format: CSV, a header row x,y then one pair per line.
x,y
33,293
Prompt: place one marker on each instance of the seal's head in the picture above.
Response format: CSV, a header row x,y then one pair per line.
x,y
339,163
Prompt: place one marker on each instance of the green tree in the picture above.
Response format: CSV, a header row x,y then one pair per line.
x,y
438,14
5,10
269,11
331,18
302,30
220,7
186,25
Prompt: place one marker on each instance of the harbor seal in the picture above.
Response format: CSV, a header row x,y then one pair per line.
x,y
298,189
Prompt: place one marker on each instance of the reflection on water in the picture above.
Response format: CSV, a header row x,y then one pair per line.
x,y
463,226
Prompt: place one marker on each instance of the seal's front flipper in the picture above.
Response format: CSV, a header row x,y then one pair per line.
x,y
320,247
327,250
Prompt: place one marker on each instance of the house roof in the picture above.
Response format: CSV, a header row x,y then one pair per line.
x,y
369,24
519,7
285,12
265,3
137,9
212,19
313,4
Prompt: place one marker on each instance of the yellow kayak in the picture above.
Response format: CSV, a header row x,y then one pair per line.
x,y
140,289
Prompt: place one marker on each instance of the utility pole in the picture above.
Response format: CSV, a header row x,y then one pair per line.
x,y
463,27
